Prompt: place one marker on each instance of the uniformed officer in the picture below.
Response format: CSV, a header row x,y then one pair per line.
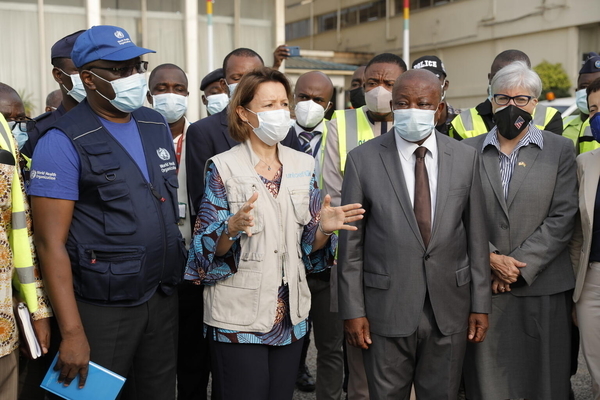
x,y
215,98
435,65
67,76
104,199
577,127
479,120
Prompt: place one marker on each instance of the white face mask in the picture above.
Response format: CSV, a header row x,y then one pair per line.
x,y
231,88
581,101
273,125
77,91
414,124
20,135
129,92
378,100
217,103
172,106
309,114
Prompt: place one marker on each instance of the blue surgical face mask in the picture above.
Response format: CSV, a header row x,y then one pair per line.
x,y
129,92
217,103
172,106
231,88
414,124
20,135
595,126
581,101
77,91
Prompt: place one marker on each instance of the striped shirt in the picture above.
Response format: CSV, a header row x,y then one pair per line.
x,y
508,162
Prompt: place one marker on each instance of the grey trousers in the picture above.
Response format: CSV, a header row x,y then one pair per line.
x,y
427,359
328,331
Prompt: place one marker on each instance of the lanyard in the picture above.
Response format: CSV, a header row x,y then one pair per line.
x,y
178,149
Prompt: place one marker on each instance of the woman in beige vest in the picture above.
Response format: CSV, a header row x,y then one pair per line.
x,y
260,229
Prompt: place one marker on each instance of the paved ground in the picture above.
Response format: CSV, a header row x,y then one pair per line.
x,y
581,381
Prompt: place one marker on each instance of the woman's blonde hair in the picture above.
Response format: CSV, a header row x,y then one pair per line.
x,y
243,95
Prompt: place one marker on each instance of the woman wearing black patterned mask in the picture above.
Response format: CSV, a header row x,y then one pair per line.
x,y
530,186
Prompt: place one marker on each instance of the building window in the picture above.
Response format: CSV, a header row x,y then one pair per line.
x,y
298,29
327,22
419,4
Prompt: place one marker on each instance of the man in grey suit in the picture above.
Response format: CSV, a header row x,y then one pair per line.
x,y
414,279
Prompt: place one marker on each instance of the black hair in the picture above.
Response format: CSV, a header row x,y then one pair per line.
x,y
593,87
241,52
59,62
387,58
166,66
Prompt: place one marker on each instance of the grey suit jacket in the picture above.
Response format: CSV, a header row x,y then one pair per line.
x,y
588,173
384,269
535,224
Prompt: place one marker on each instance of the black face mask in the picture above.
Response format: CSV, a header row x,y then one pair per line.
x,y
357,97
511,121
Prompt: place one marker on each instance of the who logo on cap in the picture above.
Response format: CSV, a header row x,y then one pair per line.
x,y
105,42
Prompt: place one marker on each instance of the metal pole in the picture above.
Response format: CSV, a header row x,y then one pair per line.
x,y
406,44
209,33
191,58
280,26
43,60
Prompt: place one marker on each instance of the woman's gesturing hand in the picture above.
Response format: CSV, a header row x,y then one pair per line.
x,y
335,218
243,221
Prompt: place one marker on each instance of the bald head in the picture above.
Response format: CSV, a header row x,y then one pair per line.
x,y
505,58
418,80
315,86
420,89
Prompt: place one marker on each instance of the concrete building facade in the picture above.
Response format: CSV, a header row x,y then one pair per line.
x,y
465,34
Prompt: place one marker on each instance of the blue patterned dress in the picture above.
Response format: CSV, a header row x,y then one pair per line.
x,y
204,267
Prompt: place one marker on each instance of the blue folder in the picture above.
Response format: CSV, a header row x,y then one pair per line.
x,y
101,384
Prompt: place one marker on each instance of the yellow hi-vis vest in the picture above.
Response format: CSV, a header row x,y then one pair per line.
x,y
572,128
18,238
586,139
469,123
353,129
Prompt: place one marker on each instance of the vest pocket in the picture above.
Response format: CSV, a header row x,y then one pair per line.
x,y
300,196
239,191
111,273
172,184
100,157
117,207
236,298
303,292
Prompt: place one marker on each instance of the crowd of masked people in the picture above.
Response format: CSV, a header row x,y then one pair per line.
x,y
437,251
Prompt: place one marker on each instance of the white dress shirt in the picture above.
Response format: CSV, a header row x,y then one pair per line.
x,y
406,150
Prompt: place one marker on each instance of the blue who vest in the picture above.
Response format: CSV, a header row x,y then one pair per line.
x,y
124,241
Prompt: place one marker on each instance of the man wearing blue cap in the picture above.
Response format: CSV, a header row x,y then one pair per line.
x,y
67,76
104,195
577,127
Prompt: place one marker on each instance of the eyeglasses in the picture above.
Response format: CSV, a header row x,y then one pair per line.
x,y
26,124
520,101
140,67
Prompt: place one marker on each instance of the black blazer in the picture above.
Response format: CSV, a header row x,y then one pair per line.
x,y
207,138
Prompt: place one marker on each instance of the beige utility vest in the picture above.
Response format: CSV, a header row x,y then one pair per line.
x,y
272,256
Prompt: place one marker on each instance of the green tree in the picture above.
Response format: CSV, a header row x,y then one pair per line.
x,y
554,79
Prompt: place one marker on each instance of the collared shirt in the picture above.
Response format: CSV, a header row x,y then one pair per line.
x,y
508,162
406,150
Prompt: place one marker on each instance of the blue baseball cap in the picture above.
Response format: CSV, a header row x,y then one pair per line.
x,y
105,42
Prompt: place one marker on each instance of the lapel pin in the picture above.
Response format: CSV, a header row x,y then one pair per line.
x,y
522,164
